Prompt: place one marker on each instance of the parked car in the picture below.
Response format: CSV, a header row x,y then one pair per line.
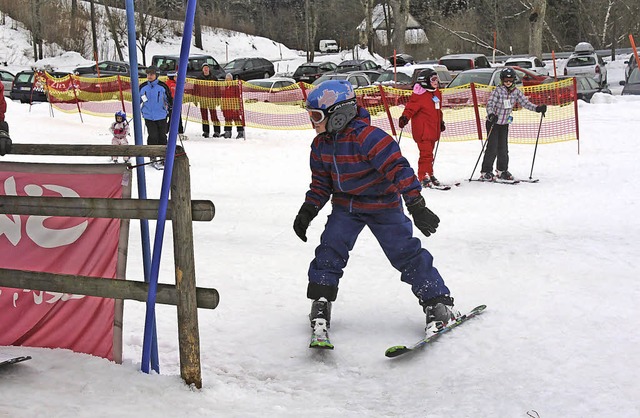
x,y
272,90
328,45
249,68
311,71
23,89
405,77
7,81
529,63
462,62
107,69
632,85
486,76
169,64
585,61
631,63
529,78
356,78
357,65
586,87
401,59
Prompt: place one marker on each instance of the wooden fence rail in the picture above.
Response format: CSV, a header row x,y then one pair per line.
x,y
181,210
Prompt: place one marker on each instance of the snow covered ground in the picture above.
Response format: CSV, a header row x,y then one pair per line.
x,y
554,262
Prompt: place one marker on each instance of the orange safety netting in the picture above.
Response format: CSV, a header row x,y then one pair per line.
x,y
242,103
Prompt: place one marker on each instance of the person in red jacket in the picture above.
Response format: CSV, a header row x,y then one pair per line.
x,y
171,82
3,103
425,112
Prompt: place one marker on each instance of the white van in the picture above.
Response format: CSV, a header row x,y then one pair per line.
x,y
328,45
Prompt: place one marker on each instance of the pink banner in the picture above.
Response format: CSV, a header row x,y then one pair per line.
x,y
64,245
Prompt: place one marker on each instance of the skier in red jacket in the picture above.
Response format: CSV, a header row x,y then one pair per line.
x,y
425,112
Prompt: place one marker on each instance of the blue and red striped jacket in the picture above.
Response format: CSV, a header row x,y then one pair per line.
x,y
362,167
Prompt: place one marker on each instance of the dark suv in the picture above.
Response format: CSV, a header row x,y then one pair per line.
x,y
462,62
311,71
169,64
249,68
24,90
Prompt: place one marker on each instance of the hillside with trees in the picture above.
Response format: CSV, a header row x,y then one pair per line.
x,y
519,27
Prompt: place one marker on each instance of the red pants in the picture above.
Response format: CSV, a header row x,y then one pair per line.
x,y
425,161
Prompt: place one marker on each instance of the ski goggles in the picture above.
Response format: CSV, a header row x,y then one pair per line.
x,y
434,78
508,80
317,116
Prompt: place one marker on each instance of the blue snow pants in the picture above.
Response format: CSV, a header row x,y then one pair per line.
x,y
394,232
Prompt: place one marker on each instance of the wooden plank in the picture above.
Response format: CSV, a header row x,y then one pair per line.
x,y
83,207
97,286
90,150
188,334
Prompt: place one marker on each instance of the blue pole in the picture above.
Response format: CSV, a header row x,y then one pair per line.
x,y
137,135
166,181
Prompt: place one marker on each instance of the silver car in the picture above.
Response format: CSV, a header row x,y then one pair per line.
x,y
7,81
585,61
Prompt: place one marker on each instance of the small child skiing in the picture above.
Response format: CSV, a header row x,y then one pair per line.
x,y
120,131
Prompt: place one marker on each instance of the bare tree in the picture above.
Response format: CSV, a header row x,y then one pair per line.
x,y
536,26
399,18
151,27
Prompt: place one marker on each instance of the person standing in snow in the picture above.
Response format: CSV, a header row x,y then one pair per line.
x,y
231,103
499,107
425,112
120,130
171,82
362,170
156,102
209,100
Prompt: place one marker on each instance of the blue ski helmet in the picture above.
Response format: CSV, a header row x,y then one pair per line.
x,y
337,102
121,114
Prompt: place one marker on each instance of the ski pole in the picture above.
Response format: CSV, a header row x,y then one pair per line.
x,y
400,137
482,150
187,118
536,147
435,152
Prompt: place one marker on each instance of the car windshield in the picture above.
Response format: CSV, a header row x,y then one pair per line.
x,y
521,64
456,64
234,64
634,77
581,61
261,83
307,69
389,76
472,77
330,77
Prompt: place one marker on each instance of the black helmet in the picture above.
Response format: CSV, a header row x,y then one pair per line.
x,y
507,72
424,78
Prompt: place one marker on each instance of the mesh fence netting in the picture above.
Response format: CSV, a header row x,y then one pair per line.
x,y
242,103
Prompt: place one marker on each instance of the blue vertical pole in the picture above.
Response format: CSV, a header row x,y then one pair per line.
x,y
166,182
137,135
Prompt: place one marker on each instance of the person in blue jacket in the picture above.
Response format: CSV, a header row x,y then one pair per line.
x,y
361,168
156,103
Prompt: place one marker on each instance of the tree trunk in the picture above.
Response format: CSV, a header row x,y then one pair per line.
x,y
114,30
536,26
399,18
94,34
197,28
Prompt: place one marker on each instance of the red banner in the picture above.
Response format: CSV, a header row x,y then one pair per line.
x,y
63,245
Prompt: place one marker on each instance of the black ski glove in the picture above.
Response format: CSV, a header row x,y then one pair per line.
x,y
541,109
492,118
402,122
425,220
442,126
305,215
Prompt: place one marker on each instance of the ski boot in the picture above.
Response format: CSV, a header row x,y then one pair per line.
x,y
440,312
505,175
426,182
320,318
488,176
435,181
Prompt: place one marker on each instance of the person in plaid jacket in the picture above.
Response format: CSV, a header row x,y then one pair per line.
x,y
499,108
362,170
